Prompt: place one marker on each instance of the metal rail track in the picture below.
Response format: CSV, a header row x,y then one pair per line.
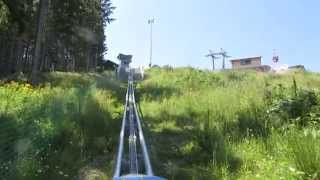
x,y
133,162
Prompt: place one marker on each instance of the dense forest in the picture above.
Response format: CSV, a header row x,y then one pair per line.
x,y
42,36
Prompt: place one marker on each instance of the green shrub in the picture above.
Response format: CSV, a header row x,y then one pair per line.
x,y
294,110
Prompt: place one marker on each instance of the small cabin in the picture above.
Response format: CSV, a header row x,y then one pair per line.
x,y
125,60
109,65
254,63
124,67
297,68
246,62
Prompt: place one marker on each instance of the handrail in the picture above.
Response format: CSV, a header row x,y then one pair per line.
x,y
131,122
121,138
142,141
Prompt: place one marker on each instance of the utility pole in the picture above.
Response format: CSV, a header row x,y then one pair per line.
x,y
224,55
213,56
151,22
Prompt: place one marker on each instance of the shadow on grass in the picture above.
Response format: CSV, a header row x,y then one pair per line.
x,y
60,140
78,141
104,81
9,137
251,123
184,152
117,88
153,92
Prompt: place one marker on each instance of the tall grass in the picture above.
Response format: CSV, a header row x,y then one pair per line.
x,y
56,129
198,125
305,149
201,119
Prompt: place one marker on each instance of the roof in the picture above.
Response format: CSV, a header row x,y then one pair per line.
x,y
123,57
109,65
109,61
297,67
255,57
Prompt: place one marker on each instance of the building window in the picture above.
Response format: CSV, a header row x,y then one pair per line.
x,y
245,62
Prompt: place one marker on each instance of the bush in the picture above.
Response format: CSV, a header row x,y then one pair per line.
x,y
294,110
299,105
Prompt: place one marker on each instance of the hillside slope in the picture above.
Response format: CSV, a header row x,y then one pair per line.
x,y
198,125
66,128
232,125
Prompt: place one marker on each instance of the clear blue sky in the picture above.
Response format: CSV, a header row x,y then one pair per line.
x,y
184,30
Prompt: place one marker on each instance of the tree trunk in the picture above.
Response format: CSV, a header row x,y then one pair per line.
x,y
28,61
94,58
19,54
43,12
25,58
60,56
11,63
3,58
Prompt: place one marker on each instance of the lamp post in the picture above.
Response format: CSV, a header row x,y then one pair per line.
x,y
151,22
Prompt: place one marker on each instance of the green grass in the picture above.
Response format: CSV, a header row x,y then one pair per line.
x,y
230,125
197,124
55,130
306,152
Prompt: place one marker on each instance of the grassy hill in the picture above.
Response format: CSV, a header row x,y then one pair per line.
x,y
198,125
66,127
232,125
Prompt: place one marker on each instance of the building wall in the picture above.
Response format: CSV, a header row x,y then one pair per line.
x,y
236,64
256,62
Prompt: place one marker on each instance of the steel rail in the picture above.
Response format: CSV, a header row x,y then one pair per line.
x,y
121,138
134,167
131,128
142,141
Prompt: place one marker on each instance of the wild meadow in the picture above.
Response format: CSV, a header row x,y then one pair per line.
x,y
65,128
232,125
198,125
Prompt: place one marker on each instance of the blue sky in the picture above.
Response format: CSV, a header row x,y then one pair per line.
x,y
184,30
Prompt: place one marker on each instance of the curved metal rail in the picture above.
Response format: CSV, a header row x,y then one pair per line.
x,y
133,160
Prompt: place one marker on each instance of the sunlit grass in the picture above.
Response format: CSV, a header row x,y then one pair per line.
x,y
190,109
197,124
52,130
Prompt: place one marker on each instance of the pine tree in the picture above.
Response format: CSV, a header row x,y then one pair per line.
x,y
52,35
40,33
